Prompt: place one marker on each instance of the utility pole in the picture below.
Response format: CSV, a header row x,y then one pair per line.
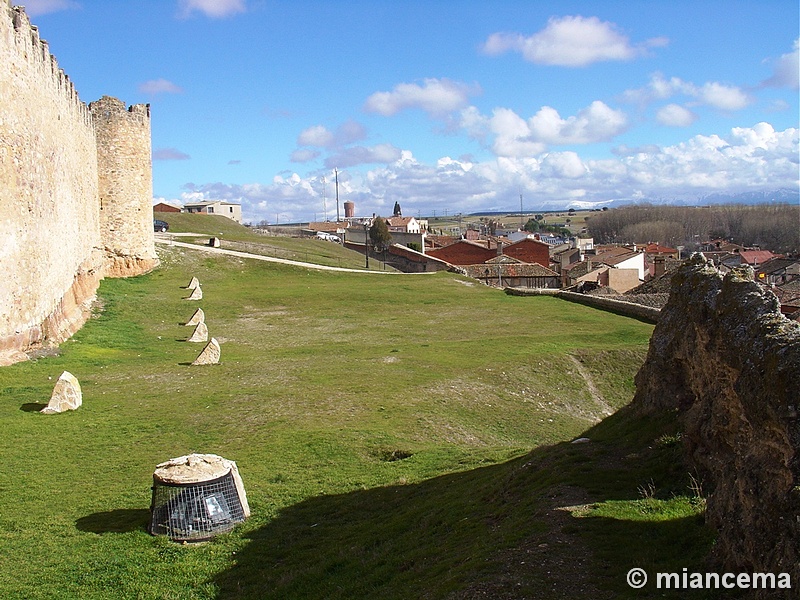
x,y
336,173
366,245
324,200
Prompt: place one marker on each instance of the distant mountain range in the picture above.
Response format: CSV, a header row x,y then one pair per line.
x,y
783,196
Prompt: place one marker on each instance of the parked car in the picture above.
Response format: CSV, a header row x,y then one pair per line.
x,y
328,236
160,226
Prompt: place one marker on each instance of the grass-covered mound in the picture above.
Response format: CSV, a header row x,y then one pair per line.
x,y
398,437
238,237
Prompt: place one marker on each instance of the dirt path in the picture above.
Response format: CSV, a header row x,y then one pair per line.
x,y
285,261
605,409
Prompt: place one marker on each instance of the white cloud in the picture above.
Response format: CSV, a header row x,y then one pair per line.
x,y
724,97
572,41
675,115
436,97
321,137
318,135
34,8
563,164
745,159
714,94
361,155
154,87
598,122
513,136
216,9
786,71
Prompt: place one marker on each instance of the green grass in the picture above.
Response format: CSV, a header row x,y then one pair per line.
x,y
398,437
237,237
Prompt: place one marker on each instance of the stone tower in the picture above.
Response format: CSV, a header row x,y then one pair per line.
x,y
125,186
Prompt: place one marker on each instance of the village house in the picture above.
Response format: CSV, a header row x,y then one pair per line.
x,y
778,271
231,210
522,264
167,207
398,224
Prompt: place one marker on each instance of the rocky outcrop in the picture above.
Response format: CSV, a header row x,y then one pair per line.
x,y
727,361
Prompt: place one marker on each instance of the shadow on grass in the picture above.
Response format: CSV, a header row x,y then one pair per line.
x,y
119,520
32,407
491,532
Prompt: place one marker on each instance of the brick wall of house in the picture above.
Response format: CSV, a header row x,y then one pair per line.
x,y
463,253
529,251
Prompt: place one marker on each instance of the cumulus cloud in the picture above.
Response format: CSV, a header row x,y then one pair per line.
x,y
34,8
321,137
724,97
361,155
717,95
169,154
598,122
437,97
786,70
318,135
747,158
563,164
216,9
510,135
572,41
154,87
675,115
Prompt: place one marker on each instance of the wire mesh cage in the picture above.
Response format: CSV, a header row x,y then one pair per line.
x,y
196,497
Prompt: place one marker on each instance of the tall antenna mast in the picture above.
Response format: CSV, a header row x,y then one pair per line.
x,y
521,218
324,199
336,172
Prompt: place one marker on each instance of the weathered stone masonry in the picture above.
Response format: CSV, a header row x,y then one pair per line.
x,y
724,358
75,192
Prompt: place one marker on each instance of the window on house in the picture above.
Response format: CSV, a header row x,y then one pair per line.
x,y
211,209
230,208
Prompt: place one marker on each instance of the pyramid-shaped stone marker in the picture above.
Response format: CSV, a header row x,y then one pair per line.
x,y
209,355
200,333
198,317
193,284
197,294
66,395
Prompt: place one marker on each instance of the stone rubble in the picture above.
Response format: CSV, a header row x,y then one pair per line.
x,y
66,395
200,333
210,354
197,294
198,317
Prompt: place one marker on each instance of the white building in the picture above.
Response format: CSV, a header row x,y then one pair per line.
x,y
231,210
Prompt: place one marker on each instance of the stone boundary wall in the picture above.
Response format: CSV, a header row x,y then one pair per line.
x,y
54,246
628,309
48,189
725,360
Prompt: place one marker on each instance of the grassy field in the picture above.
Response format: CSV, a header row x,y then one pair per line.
x,y
398,437
237,237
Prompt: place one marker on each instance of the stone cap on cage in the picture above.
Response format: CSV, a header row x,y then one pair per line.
x,y
199,468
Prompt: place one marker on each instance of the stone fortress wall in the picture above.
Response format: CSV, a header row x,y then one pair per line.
x,y
75,193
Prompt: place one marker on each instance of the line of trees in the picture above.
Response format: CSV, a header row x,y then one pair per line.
x,y
773,227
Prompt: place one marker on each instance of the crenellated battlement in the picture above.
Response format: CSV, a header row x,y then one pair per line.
x,y
76,188
37,52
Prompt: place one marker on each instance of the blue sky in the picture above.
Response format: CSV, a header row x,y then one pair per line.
x,y
444,106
